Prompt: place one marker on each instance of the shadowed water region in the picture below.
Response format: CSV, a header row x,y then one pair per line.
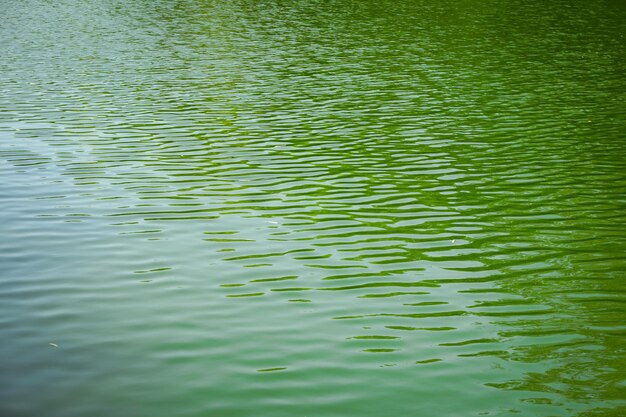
x,y
312,208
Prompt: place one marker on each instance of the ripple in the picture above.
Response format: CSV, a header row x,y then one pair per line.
x,y
283,208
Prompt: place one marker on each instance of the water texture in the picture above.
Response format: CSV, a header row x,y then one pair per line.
x,y
312,208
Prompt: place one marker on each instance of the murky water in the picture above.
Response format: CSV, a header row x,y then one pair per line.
x,y
312,208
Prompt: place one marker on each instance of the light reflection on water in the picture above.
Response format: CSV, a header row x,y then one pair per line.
x,y
320,208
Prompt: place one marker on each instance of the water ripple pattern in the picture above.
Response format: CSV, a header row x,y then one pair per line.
x,y
322,208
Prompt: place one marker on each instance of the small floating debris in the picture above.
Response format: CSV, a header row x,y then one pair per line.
x,y
53,345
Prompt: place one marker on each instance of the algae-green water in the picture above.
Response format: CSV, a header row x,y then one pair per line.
x,y
312,208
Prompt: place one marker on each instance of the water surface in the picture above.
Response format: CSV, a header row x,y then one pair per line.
x,y
312,208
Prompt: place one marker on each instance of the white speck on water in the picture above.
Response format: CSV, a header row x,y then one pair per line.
x,y
53,344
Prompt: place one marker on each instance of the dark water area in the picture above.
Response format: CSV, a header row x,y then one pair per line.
x,y
312,208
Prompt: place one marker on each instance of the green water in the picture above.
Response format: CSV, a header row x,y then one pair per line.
x,y
312,208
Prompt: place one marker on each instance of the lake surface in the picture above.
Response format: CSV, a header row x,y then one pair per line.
x,y
312,208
